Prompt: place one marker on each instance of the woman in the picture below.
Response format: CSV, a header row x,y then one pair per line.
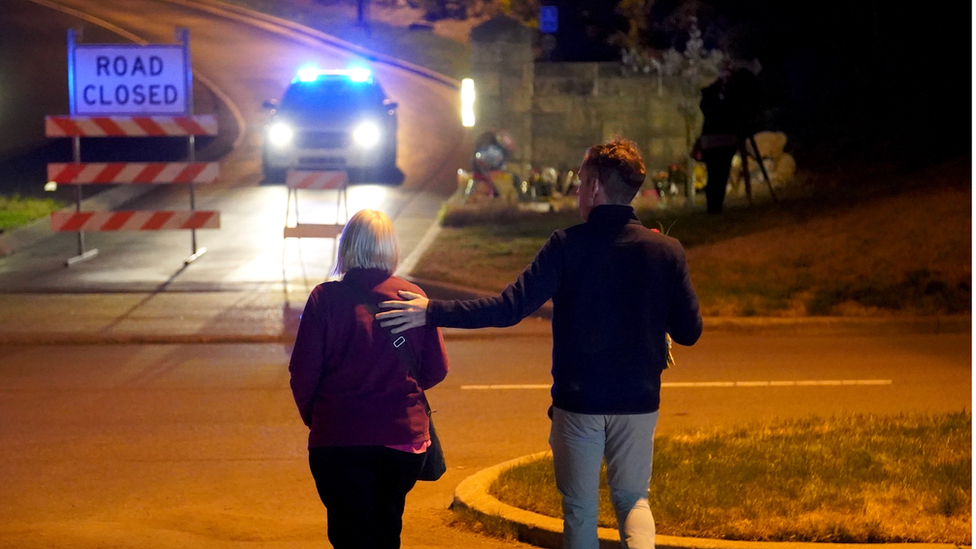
x,y
365,410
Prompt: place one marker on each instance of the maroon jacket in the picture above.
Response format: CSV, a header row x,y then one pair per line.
x,y
350,384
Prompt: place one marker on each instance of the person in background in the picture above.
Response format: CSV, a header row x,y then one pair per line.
x,y
366,413
729,106
617,288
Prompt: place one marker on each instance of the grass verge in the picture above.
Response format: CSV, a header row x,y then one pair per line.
x,y
479,523
854,479
16,211
887,247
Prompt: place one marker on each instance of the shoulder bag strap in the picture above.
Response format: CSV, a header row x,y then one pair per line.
x,y
399,342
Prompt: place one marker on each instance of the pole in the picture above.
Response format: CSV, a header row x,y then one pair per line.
x,y
76,156
76,140
191,158
183,35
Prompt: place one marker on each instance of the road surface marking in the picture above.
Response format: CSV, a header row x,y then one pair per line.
x,y
701,384
504,387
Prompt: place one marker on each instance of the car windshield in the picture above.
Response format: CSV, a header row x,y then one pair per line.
x,y
331,94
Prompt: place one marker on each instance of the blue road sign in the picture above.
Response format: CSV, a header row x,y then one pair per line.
x,y
548,19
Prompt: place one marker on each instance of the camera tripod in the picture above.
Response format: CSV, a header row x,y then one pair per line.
x,y
745,155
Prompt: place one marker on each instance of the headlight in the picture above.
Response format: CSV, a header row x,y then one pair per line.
x,y
280,134
366,134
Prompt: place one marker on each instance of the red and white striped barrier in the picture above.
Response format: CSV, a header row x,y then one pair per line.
x,y
129,126
134,172
134,221
316,180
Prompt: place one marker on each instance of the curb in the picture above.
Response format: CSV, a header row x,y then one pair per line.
x,y
82,338
823,325
533,528
839,325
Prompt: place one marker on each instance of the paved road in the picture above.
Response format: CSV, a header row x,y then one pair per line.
x,y
188,446
243,61
200,446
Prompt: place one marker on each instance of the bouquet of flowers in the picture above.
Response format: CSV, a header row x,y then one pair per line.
x,y
670,361
667,337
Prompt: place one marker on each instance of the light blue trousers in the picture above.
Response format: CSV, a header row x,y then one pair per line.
x,y
579,444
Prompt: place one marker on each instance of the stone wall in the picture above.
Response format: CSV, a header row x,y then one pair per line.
x,y
502,68
576,105
554,111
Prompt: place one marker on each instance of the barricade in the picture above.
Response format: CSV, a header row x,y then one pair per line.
x,y
77,173
320,181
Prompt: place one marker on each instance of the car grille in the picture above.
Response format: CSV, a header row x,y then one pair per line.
x,y
322,140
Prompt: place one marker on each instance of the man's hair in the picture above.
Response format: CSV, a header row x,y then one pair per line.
x,y
620,168
368,242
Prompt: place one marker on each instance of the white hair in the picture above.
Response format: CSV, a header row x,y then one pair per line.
x,y
368,242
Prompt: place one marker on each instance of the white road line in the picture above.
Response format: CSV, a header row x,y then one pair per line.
x,y
504,387
708,384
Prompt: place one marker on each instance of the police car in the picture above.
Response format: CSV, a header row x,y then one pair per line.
x,y
331,120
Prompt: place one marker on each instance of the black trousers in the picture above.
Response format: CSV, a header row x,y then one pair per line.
x,y
718,162
364,489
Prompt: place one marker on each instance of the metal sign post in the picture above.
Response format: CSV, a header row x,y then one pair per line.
x,y
83,255
183,35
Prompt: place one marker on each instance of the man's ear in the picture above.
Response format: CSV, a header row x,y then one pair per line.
x,y
599,190
596,184
590,191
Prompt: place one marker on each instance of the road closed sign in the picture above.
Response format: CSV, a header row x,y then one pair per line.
x,y
121,79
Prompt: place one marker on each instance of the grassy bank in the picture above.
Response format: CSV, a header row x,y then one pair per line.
x,y
881,245
16,211
853,479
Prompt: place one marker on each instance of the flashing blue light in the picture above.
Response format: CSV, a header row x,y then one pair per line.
x,y
354,75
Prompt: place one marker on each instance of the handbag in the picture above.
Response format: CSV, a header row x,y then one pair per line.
x,y
434,465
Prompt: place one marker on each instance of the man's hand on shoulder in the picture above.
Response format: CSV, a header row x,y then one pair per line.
x,y
404,315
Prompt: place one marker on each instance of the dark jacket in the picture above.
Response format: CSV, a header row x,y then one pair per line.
x,y
731,106
349,382
616,288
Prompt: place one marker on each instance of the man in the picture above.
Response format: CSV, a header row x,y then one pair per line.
x,y
617,289
729,107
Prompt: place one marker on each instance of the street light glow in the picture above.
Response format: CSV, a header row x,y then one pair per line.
x,y
467,102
